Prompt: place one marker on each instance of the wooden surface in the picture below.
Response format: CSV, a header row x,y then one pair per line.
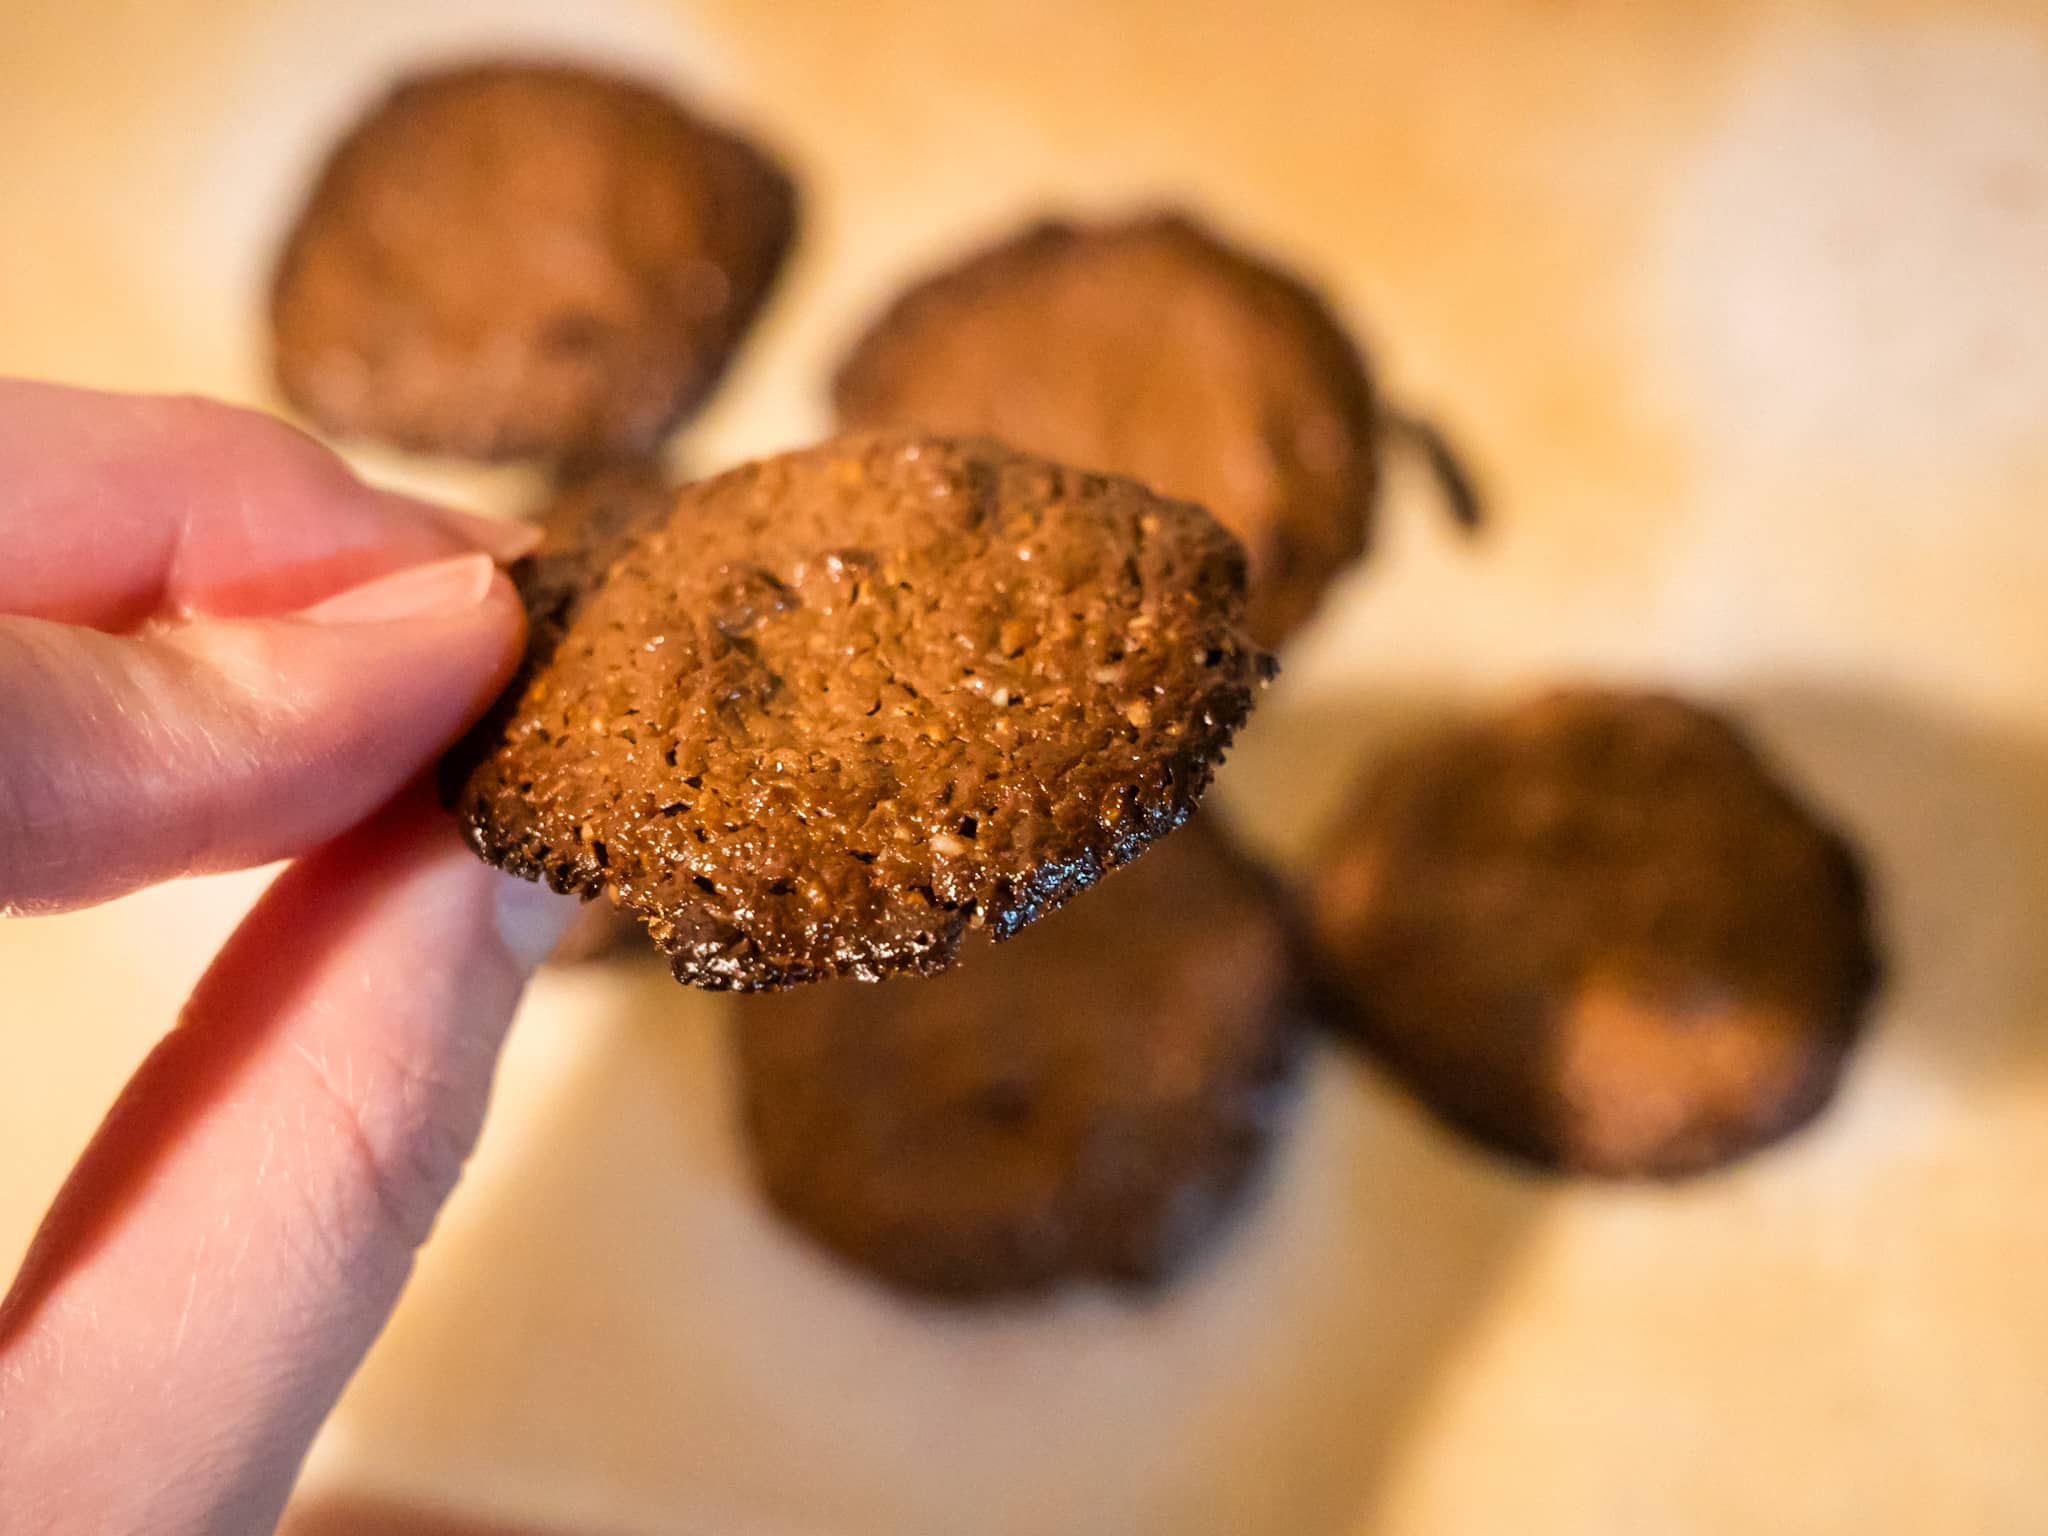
x,y
1741,312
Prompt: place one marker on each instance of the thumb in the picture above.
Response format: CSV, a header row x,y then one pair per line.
x,y
222,744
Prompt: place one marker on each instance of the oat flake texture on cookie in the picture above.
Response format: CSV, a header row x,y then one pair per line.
x,y
843,703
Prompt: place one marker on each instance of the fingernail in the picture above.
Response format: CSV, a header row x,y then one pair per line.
x,y
531,917
441,589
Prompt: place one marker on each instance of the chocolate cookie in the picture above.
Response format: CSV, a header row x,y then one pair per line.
x,y
1597,933
843,703
586,522
1085,1101
584,525
595,506
513,260
1152,349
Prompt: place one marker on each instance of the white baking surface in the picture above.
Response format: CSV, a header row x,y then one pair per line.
x,y
1742,310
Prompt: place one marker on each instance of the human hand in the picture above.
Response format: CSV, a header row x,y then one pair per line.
x,y
217,649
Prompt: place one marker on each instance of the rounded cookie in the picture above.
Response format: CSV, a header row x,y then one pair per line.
x,y
1084,1101
524,260
1148,348
840,704
1597,933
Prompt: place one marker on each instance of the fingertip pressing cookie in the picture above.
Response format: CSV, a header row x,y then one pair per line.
x,y
1599,934
841,704
516,260
1088,1101
1153,349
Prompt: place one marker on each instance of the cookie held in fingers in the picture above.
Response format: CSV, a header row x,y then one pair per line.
x,y
595,507
593,511
586,522
1153,349
1088,1101
841,704
515,260
1599,934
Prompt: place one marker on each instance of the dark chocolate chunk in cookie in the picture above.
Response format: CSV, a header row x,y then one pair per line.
x,y
841,704
525,260
1597,933
1083,1102
1148,348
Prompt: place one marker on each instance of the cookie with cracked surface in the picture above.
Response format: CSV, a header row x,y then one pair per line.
x,y
1599,934
1088,1101
1149,348
841,704
513,260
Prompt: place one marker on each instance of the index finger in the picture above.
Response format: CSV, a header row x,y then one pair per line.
x,y
115,509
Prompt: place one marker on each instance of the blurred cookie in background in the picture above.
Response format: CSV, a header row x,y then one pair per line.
x,y
525,260
1598,933
1148,348
1087,1100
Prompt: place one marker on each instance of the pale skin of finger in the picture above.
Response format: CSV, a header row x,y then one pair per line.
x,y
242,1224
116,509
181,688
223,744
222,649
344,1516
